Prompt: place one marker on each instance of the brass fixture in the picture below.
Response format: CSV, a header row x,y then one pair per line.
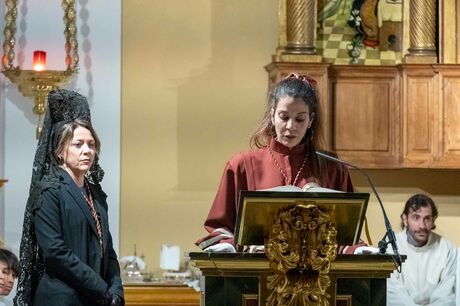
x,y
33,83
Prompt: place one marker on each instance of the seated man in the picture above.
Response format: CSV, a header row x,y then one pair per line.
x,y
9,270
428,274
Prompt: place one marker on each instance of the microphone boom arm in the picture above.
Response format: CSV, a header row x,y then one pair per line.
x,y
389,233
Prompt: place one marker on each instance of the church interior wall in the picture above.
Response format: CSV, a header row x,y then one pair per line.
x,y
176,88
191,96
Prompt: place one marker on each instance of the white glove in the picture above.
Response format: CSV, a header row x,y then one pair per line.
x,y
256,249
224,247
366,250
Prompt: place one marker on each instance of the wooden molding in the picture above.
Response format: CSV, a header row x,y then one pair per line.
x,y
160,295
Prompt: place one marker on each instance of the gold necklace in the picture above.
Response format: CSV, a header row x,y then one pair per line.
x,y
281,169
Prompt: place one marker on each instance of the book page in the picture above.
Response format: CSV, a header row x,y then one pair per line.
x,y
314,187
283,188
309,187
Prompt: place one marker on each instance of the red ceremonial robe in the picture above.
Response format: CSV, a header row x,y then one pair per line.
x,y
256,170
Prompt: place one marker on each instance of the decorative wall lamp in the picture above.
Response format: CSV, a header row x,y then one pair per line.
x,y
38,82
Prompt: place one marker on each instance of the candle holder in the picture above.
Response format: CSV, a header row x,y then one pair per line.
x,y
38,84
39,62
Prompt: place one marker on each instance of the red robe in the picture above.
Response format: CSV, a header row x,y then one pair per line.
x,y
256,170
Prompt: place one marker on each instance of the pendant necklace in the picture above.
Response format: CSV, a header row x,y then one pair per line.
x,y
92,207
281,169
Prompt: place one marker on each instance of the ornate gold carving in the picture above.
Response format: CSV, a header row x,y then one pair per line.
x,y
70,33
9,31
301,247
423,27
38,84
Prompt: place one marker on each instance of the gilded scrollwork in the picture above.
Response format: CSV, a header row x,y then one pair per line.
x,y
301,246
70,33
9,31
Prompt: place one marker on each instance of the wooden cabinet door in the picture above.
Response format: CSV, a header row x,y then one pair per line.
x,y
405,116
366,115
431,116
160,295
419,105
448,155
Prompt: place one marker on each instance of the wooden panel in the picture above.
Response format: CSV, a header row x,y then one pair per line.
x,y
366,115
449,123
419,117
154,295
362,116
404,116
418,120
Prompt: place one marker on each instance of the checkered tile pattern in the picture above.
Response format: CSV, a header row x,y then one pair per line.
x,y
334,37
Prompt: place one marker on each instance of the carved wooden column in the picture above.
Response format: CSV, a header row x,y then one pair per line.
x,y
297,31
423,26
300,26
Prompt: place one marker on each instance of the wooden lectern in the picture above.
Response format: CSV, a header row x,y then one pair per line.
x,y
240,279
301,232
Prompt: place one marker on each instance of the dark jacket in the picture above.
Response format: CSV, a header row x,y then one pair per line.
x,y
75,273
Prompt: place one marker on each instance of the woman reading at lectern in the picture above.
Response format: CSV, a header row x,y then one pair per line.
x,y
286,141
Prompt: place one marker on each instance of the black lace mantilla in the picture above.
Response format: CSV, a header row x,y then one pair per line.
x,y
63,105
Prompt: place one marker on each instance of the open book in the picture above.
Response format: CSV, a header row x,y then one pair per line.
x,y
309,187
258,211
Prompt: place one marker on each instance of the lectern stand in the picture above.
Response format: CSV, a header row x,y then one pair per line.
x,y
301,233
239,279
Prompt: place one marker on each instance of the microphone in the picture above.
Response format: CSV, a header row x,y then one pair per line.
x,y
389,234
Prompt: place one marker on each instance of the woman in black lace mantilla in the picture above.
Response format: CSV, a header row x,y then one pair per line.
x,y
63,106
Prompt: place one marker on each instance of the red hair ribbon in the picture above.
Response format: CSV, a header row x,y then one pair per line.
x,y
305,78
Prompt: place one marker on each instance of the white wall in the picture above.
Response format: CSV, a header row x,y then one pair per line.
x,y
40,26
2,137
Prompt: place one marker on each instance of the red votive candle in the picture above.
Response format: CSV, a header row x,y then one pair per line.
x,y
39,62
